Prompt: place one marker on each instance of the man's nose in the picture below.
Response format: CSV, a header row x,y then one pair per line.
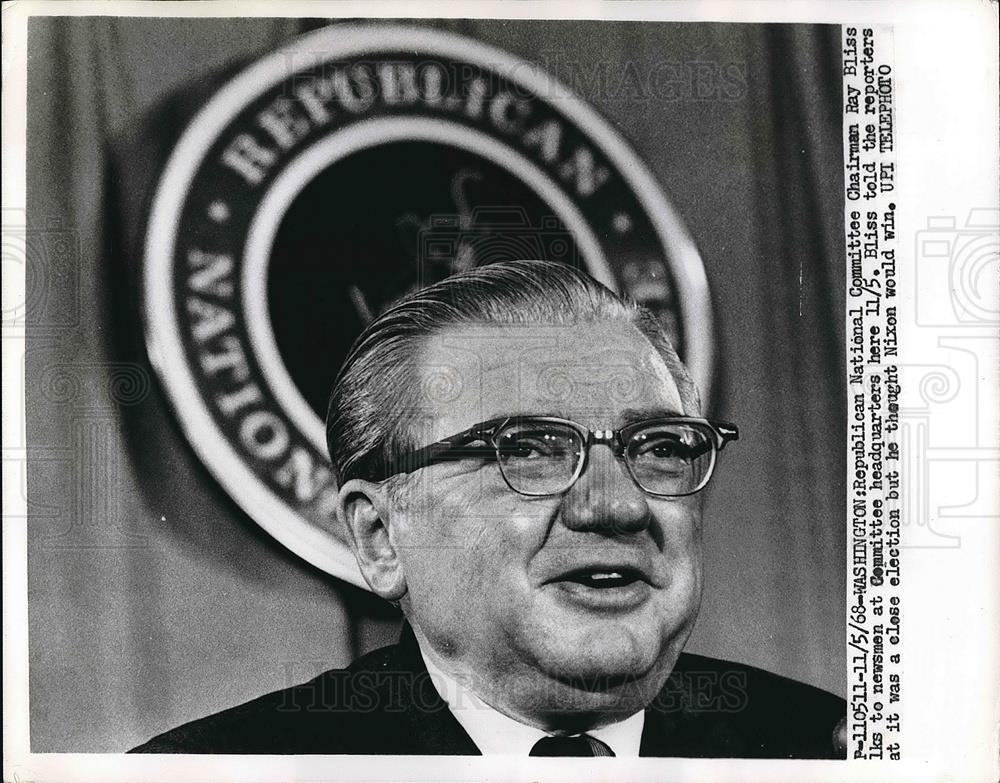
x,y
605,499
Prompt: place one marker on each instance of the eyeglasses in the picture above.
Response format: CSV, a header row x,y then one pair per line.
x,y
541,456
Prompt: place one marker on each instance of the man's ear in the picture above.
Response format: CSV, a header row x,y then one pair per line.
x,y
362,509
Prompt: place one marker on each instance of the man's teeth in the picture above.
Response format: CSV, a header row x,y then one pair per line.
x,y
603,578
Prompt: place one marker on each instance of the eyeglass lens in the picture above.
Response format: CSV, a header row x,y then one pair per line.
x,y
541,458
671,459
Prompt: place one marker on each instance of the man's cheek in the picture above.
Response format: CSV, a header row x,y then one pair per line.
x,y
681,531
429,529
438,587
688,599
429,556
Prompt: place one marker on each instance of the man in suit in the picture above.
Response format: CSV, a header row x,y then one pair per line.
x,y
520,456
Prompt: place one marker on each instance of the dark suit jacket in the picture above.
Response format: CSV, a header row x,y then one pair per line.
x,y
385,703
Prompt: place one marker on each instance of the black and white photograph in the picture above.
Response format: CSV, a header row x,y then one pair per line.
x,y
462,386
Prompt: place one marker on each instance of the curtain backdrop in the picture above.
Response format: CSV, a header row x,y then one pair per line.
x,y
154,600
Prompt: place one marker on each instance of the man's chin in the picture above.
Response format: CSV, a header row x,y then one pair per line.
x,y
594,662
605,654
594,690
608,665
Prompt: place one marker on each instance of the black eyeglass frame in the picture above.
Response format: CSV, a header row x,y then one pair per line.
x,y
459,446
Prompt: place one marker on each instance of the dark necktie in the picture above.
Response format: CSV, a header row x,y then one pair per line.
x,y
584,745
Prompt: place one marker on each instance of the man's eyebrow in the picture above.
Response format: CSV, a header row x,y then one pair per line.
x,y
631,415
530,415
627,416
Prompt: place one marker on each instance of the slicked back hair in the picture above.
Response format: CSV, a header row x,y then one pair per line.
x,y
366,425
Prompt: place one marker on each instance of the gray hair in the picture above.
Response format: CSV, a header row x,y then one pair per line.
x,y
378,370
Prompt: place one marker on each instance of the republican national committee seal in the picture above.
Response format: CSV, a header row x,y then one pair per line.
x,y
333,176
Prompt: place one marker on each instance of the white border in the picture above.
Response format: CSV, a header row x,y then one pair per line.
x,y
291,181
777,11
163,337
939,46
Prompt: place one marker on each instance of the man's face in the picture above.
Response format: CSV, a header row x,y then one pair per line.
x,y
520,592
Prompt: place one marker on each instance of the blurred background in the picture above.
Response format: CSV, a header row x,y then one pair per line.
x,y
154,599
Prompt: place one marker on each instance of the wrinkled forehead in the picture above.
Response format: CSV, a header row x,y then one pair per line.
x,y
598,374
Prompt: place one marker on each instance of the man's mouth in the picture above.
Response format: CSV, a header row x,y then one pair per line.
x,y
603,588
603,578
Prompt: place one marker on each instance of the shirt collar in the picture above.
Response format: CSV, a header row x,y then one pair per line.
x,y
495,733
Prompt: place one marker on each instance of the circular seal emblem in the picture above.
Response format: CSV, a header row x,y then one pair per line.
x,y
334,176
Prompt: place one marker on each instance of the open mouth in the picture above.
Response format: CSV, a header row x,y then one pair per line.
x,y
603,578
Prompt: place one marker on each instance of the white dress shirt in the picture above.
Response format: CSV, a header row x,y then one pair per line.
x,y
495,733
